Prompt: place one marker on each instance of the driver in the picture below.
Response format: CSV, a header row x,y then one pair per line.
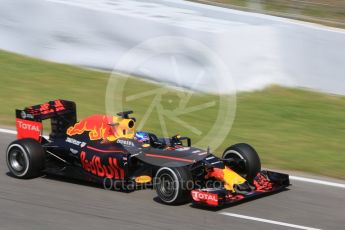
x,y
142,137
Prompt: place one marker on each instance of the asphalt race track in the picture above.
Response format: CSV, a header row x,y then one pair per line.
x,y
47,203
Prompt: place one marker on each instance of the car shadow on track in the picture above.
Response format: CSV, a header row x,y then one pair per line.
x,y
155,199
62,179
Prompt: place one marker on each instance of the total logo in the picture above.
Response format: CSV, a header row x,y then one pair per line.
x,y
29,127
207,197
75,142
125,142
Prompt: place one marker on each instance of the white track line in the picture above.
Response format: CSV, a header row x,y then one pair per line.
x,y
8,131
314,181
296,178
267,221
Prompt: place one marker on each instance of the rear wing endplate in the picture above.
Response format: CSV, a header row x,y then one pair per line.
x,y
62,114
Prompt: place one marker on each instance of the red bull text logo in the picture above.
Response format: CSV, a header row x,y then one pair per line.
x,y
112,171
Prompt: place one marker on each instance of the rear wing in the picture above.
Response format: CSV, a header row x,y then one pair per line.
x,y
62,114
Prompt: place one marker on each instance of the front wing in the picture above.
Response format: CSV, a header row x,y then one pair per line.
x,y
265,183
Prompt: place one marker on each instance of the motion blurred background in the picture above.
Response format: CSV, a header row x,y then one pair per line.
x,y
327,12
289,75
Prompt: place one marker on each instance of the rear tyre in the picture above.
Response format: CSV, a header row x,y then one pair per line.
x,y
250,165
173,185
25,158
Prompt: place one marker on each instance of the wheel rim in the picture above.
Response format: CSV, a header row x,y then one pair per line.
x,y
17,160
166,187
241,168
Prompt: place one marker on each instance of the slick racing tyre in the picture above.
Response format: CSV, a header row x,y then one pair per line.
x,y
173,185
249,165
25,158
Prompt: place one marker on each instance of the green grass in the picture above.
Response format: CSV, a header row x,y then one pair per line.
x,y
292,129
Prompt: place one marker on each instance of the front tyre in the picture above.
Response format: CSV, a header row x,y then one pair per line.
x,y
173,185
250,164
25,158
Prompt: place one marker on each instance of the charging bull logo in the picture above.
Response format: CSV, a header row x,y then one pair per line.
x,y
102,127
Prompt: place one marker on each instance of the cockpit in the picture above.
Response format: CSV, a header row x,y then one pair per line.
x,y
161,143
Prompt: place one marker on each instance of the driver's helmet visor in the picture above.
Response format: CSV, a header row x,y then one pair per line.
x,y
142,137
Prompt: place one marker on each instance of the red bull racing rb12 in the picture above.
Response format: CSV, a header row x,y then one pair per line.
x,y
107,149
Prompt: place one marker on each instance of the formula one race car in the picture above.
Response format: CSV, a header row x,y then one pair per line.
x,y
107,149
